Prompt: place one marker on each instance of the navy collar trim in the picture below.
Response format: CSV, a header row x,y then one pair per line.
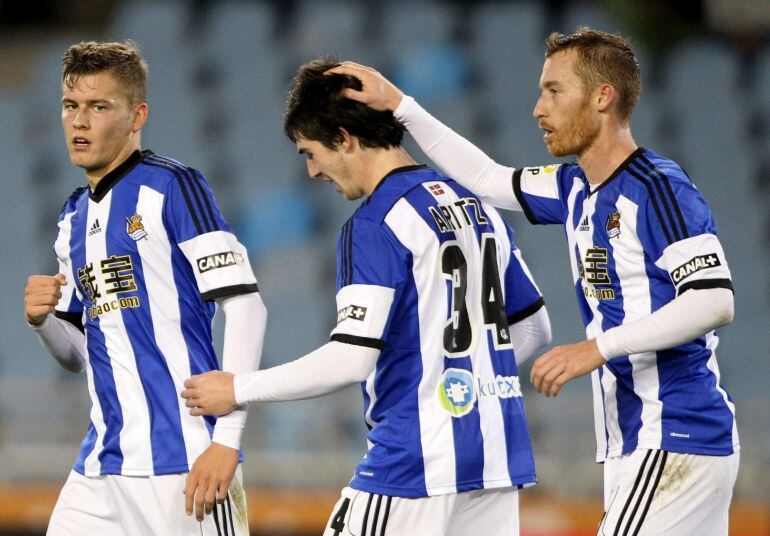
x,y
638,152
396,171
111,179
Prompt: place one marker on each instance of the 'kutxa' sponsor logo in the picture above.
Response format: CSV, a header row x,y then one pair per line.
x,y
219,260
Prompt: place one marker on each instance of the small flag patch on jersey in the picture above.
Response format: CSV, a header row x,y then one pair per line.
x,y
135,228
436,189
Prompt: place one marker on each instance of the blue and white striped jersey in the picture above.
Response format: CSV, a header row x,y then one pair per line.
x,y
636,241
145,254
430,275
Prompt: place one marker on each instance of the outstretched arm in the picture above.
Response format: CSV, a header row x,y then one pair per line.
x,y
685,318
453,154
329,368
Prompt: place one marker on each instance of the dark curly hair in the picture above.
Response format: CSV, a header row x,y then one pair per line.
x,y
316,110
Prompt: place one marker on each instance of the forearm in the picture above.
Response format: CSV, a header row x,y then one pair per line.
x,y
530,334
684,319
458,157
325,370
245,319
63,341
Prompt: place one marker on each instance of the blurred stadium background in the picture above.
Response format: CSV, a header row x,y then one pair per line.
x,y
219,71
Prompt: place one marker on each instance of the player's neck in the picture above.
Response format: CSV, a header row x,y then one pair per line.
x,y
379,163
604,156
94,177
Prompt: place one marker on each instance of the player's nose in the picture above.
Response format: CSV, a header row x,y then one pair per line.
x,y
537,111
80,120
312,170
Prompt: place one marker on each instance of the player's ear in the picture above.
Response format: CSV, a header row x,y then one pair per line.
x,y
603,97
140,117
348,141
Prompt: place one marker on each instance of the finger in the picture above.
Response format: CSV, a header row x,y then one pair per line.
x,y
188,393
539,365
61,279
198,412
347,68
191,403
355,65
549,377
44,300
211,497
189,493
200,496
536,375
222,491
559,382
190,382
353,94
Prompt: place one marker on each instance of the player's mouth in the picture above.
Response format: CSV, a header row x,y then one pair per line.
x,y
79,142
549,133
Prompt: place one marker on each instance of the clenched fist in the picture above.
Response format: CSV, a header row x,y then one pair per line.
x,y
41,296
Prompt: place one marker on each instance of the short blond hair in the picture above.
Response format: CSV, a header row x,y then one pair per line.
x,y
121,59
603,58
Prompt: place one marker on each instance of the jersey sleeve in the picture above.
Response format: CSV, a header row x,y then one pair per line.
x,y
522,297
681,236
69,307
219,261
370,268
541,192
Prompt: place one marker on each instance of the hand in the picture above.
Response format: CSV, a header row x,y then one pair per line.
x,y
212,393
377,92
564,363
209,479
41,296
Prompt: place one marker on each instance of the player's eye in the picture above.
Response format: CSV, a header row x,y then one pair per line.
x,y
70,106
99,107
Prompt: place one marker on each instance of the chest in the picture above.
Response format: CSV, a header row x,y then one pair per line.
x,y
112,243
603,231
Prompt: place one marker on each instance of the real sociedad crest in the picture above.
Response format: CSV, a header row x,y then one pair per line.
x,y
134,228
613,225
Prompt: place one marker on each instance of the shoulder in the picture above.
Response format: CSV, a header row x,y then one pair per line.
x,y
550,173
365,230
658,178
164,172
70,205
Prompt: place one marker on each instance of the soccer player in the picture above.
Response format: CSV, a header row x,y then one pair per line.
x,y
650,274
145,257
428,281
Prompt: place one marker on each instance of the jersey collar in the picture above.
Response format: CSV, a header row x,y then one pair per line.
x,y
396,171
111,178
620,169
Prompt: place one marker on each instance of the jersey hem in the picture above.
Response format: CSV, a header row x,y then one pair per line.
x,y
698,450
117,470
519,482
